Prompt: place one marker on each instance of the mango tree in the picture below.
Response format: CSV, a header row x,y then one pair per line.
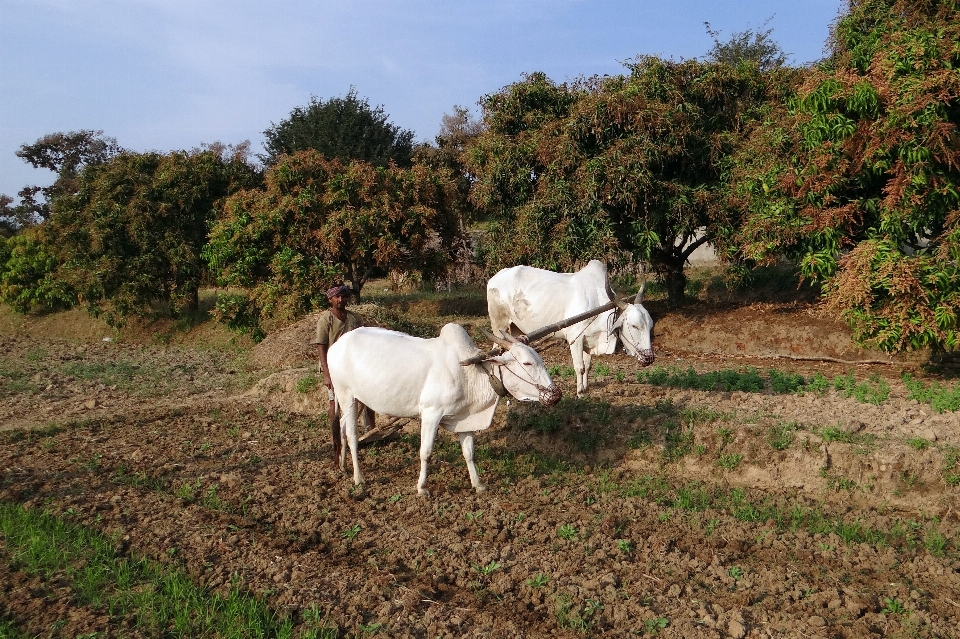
x,y
615,167
858,175
128,241
317,221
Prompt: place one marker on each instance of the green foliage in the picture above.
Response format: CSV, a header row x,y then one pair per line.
x,y
892,606
614,168
654,626
308,383
566,531
131,236
66,154
817,384
539,581
857,175
748,46
27,276
781,382
838,434
951,465
488,569
874,390
729,460
940,398
747,380
345,129
240,314
578,619
162,600
781,435
319,220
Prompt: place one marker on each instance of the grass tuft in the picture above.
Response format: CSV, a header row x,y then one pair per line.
x,y
154,599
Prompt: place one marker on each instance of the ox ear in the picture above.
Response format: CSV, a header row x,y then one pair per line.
x,y
499,358
617,324
639,298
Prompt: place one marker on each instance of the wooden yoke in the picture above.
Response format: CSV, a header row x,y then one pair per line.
x,y
562,324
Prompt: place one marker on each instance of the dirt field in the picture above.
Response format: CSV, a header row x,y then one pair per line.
x,y
639,510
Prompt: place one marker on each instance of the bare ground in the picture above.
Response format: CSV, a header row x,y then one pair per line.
x,y
623,514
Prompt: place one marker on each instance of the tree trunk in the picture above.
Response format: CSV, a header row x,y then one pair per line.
x,y
675,281
669,268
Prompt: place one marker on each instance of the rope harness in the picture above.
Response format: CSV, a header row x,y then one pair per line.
x,y
548,396
644,356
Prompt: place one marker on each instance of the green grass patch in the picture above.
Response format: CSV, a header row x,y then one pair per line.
x,y
951,465
308,383
729,460
874,390
831,434
941,398
747,379
153,599
781,435
15,380
786,515
785,383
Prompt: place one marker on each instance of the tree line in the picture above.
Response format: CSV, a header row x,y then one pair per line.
x,y
849,167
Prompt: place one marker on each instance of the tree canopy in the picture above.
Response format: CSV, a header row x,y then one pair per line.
x,y
748,45
317,221
625,167
65,154
131,235
858,176
345,129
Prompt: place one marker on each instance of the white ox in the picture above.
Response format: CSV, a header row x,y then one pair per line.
x,y
521,299
446,381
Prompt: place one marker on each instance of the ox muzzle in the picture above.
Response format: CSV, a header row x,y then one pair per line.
x,y
645,357
549,396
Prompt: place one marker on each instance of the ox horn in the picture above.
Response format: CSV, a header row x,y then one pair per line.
x,y
639,298
614,298
505,343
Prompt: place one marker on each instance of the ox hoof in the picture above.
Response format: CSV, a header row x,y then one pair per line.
x,y
481,488
423,492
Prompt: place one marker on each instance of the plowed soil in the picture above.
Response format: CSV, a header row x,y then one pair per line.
x,y
635,511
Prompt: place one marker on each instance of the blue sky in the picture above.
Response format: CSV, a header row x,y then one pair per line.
x,y
171,74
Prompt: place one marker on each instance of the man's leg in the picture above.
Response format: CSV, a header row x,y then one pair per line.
x,y
369,419
334,425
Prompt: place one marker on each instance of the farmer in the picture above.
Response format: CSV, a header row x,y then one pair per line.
x,y
331,326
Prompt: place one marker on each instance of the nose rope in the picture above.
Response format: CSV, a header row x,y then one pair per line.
x,y
548,395
644,356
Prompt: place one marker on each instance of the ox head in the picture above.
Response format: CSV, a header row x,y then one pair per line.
x,y
521,371
635,326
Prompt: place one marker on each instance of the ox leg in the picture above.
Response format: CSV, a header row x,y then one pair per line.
x,y
348,422
428,434
581,365
466,444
